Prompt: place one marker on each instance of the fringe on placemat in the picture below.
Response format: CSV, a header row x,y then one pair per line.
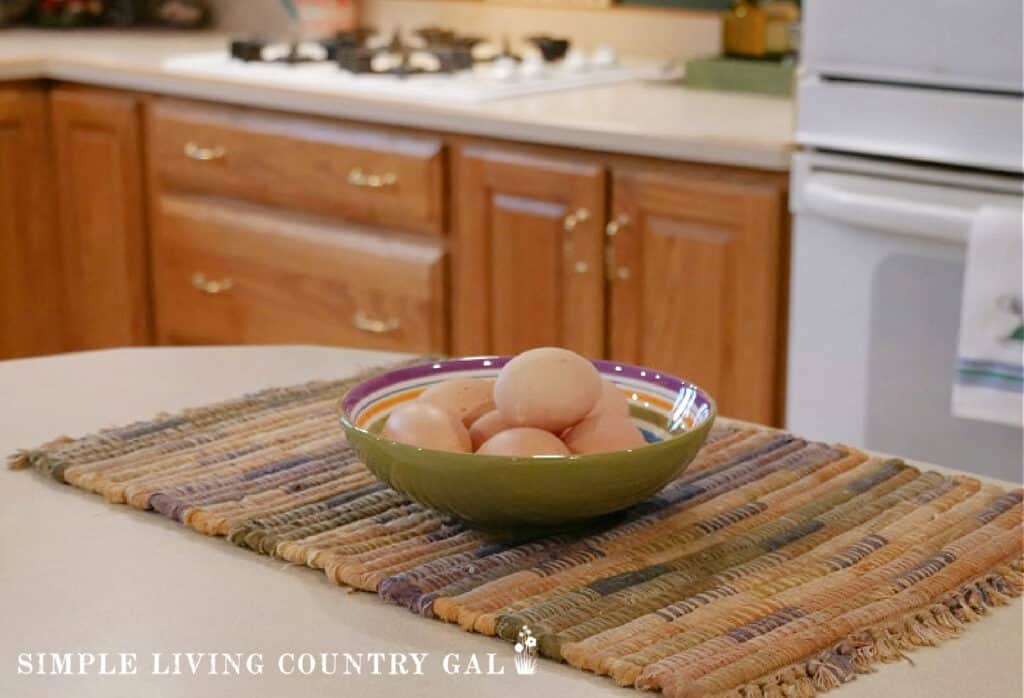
x,y
35,457
19,460
928,626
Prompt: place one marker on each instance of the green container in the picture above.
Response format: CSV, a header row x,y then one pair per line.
x,y
768,77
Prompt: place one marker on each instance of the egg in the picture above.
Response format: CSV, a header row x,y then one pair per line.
x,y
485,427
524,441
427,426
547,388
602,433
612,401
466,398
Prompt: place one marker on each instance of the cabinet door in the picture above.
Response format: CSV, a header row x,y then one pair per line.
x,y
30,319
695,267
528,252
103,237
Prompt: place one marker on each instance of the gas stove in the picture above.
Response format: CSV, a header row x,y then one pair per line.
x,y
433,65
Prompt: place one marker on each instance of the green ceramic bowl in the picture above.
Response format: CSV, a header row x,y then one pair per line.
x,y
499,492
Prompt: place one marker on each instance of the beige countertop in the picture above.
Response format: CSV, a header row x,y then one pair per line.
x,y
81,575
659,120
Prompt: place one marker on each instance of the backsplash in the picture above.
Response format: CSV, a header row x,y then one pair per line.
x,y
631,31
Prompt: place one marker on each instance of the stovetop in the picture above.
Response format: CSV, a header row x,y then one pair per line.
x,y
434,65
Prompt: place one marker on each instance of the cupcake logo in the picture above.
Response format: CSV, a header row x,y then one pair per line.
x,y
526,652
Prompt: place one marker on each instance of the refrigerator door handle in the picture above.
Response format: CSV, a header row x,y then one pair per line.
x,y
877,205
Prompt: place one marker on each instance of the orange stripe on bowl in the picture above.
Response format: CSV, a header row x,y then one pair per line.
x,y
379,407
648,398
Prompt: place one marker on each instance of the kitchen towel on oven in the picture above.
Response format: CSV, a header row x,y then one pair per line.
x,y
990,359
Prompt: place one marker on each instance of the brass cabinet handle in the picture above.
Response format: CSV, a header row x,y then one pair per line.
x,y
362,321
615,225
358,178
580,215
209,286
569,224
194,151
612,271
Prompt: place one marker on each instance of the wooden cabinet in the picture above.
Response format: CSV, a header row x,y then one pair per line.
x,y
696,282
30,314
527,265
273,227
227,272
98,148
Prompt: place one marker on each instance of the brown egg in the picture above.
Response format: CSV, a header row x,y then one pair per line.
x,y
486,427
603,433
427,426
612,401
466,398
524,441
547,388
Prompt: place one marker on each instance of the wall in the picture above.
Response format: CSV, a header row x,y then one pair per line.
x,y
632,31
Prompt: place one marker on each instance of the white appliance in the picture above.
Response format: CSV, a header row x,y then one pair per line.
x,y
909,119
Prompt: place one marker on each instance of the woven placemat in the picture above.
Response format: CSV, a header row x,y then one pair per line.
x,y
773,566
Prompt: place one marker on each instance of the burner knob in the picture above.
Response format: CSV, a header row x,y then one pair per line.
x,y
532,67
575,61
604,57
504,68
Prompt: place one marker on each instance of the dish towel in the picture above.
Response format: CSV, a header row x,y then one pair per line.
x,y
990,359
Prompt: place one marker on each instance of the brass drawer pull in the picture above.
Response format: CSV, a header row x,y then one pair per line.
x,y
612,272
362,321
194,151
209,286
358,178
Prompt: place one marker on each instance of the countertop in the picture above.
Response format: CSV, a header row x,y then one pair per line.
x,y
660,120
85,576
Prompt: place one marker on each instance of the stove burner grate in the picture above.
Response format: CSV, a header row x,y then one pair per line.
x,y
445,52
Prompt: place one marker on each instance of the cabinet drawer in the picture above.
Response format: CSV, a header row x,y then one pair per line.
x,y
367,175
231,273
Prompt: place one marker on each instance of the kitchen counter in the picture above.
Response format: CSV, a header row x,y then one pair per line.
x,y
72,564
659,120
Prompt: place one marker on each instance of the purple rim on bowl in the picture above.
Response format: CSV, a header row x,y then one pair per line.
x,y
683,401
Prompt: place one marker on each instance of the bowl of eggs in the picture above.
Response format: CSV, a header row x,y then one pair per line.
x,y
542,439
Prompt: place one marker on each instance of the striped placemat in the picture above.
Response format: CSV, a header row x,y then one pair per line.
x,y
773,566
